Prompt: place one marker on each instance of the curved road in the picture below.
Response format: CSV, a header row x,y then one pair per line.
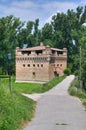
x,y
57,110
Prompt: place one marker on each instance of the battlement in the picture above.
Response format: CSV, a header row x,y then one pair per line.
x,y
31,61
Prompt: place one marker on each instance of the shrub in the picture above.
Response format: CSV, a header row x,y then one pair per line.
x,y
73,91
67,71
81,94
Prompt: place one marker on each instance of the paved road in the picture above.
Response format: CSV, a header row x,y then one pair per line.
x,y
57,110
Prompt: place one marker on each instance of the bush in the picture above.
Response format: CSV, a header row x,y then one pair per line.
x,y
84,103
73,91
67,71
81,94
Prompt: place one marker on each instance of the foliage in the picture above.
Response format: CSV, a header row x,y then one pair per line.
x,y
65,30
9,28
82,41
52,83
15,109
74,90
67,71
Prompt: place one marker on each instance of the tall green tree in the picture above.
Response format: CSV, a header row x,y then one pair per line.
x,y
9,28
82,42
36,31
66,30
47,34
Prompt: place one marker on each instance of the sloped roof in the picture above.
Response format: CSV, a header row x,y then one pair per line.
x,y
41,47
56,49
34,48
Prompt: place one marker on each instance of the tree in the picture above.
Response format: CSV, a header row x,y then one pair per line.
x,y
66,29
9,28
46,34
82,42
36,31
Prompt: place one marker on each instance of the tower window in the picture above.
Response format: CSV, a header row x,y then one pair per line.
x,y
37,65
23,65
34,73
28,65
33,65
41,65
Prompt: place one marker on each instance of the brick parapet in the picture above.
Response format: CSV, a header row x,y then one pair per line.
x,y
44,66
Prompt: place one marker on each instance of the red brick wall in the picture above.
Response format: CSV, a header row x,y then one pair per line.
x,y
39,67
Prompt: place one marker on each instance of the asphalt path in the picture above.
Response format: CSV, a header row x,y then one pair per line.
x,y
57,110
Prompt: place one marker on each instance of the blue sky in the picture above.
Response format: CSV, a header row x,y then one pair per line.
x,y
28,10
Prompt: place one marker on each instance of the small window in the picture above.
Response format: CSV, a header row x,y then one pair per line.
x,y
41,65
37,65
34,73
20,58
17,59
28,65
33,65
60,64
23,65
57,64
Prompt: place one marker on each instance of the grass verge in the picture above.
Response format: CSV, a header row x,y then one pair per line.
x,y
36,88
75,91
16,109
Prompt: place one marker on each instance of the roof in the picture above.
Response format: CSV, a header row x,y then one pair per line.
x,y
34,48
41,47
56,49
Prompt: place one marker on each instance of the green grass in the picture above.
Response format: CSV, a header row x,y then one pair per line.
x,y
27,87
15,109
36,88
75,91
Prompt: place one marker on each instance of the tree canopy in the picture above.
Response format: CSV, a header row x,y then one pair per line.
x,y
65,30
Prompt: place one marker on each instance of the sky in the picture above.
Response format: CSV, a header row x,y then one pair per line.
x,y
29,10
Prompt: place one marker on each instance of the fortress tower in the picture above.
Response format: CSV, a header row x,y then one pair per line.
x,y
40,63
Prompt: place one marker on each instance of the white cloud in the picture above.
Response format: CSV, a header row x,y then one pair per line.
x,y
50,18
25,10
62,7
83,2
28,10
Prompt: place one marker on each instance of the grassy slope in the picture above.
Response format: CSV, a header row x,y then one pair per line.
x,y
75,91
36,88
16,109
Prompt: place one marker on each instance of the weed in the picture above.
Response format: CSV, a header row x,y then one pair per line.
x,y
74,90
16,109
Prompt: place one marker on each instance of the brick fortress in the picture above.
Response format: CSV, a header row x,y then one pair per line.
x,y
40,63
